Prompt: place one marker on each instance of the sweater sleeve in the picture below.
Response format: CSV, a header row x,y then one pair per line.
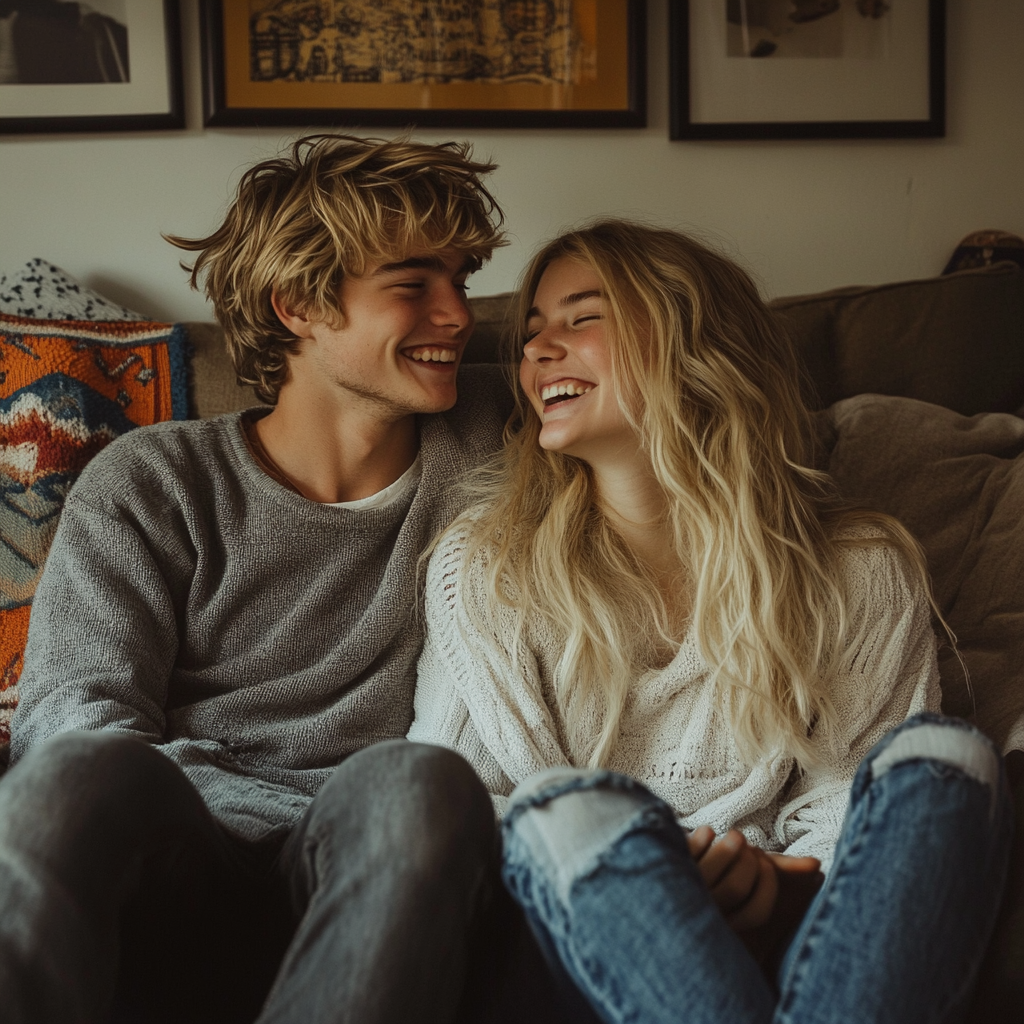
x,y
890,673
102,634
478,694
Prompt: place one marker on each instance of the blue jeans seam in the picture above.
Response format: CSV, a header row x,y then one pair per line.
x,y
821,908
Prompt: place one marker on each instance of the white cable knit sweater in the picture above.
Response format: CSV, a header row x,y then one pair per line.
x,y
672,738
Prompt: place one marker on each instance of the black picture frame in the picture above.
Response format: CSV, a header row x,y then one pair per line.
x,y
684,125
167,57
220,112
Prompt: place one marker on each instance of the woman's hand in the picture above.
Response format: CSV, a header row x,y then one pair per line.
x,y
745,882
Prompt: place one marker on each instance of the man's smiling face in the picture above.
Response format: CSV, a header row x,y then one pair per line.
x,y
405,327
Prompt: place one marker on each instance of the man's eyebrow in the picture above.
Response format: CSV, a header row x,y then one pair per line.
x,y
469,265
569,300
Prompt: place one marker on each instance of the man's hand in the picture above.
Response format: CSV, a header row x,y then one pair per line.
x,y
746,882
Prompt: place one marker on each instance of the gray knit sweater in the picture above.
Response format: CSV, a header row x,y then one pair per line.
x,y
257,637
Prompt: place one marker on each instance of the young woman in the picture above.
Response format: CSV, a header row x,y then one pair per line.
x,y
663,627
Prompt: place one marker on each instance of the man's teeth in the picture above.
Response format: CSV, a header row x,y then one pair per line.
x,y
433,355
567,388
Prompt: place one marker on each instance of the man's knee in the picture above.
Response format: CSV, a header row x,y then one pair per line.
x,y
70,760
79,780
427,798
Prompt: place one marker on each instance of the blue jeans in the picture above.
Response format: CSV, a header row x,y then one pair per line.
x,y
896,934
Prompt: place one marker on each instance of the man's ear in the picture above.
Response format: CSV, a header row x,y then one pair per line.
x,y
294,320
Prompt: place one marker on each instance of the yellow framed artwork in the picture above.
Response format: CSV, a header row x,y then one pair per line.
x,y
429,63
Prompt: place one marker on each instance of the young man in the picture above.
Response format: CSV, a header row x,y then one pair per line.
x,y
201,808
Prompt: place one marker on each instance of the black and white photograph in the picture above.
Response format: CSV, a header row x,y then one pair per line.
x,y
106,65
52,42
799,69
807,28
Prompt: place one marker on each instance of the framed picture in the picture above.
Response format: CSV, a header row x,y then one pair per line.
x,y
109,65
807,69
429,63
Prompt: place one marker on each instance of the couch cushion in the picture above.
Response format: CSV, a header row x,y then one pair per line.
x,y
490,312
67,389
956,340
957,484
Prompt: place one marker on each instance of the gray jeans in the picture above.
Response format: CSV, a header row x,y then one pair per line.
x,y
120,895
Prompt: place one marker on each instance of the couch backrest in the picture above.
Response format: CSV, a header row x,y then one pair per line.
x,y
956,340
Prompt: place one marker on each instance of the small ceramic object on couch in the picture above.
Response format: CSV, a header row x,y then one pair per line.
x,y
983,248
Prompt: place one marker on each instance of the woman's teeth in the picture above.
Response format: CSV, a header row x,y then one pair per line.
x,y
433,355
566,389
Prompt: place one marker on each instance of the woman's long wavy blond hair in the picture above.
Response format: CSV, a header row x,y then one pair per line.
x,y
711,383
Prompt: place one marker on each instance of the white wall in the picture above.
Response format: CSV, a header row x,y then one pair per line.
x,y
803,216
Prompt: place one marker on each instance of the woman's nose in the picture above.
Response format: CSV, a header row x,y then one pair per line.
x,y
543,346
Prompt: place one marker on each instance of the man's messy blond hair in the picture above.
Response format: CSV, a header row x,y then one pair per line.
x,y
331,208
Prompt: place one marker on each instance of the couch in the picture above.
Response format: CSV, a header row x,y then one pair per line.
x,y
919,392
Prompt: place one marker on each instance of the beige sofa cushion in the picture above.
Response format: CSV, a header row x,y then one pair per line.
x,y
213,388
957,483
490,312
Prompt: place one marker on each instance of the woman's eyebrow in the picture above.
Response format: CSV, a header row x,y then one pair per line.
x,y
572,299
568,300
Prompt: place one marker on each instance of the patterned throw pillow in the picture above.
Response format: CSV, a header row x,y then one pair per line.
x,y
67,389
44,292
